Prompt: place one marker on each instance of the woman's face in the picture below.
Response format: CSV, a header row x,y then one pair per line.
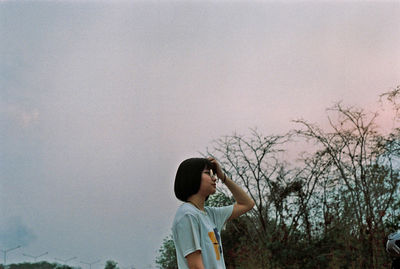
x,y
208,183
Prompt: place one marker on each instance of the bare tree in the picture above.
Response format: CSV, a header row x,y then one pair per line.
x,y
282,194
361,171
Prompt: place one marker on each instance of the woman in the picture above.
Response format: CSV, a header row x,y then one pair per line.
x,y
196,229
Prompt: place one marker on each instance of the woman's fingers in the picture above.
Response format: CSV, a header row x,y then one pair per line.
x,y
219,172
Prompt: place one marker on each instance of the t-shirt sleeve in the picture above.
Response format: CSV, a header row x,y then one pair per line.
x,y
187,235
220,215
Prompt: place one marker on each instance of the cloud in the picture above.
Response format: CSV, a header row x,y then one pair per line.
x,y
14,232
23,116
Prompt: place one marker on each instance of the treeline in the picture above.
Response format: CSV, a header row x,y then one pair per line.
x,y
110,264
331,208
37,265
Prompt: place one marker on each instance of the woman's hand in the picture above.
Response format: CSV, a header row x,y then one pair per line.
x,y
244,202
220,173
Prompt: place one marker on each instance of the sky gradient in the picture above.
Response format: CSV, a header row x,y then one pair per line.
x,y
101,101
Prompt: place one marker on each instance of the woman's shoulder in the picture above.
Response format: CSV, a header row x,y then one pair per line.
x,y
222,212
183,210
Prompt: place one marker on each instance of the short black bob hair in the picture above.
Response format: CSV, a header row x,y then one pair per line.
x,y
188,177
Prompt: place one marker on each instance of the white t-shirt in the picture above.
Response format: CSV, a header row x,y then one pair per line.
x,y
194,229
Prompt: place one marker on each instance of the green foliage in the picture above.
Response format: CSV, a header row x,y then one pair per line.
x,y
219,199
110,264
38,265
167,254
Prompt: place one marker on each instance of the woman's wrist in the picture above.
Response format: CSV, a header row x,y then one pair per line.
x,y
223,179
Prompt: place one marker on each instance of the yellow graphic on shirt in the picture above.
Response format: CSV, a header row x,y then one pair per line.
x,y
216,244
